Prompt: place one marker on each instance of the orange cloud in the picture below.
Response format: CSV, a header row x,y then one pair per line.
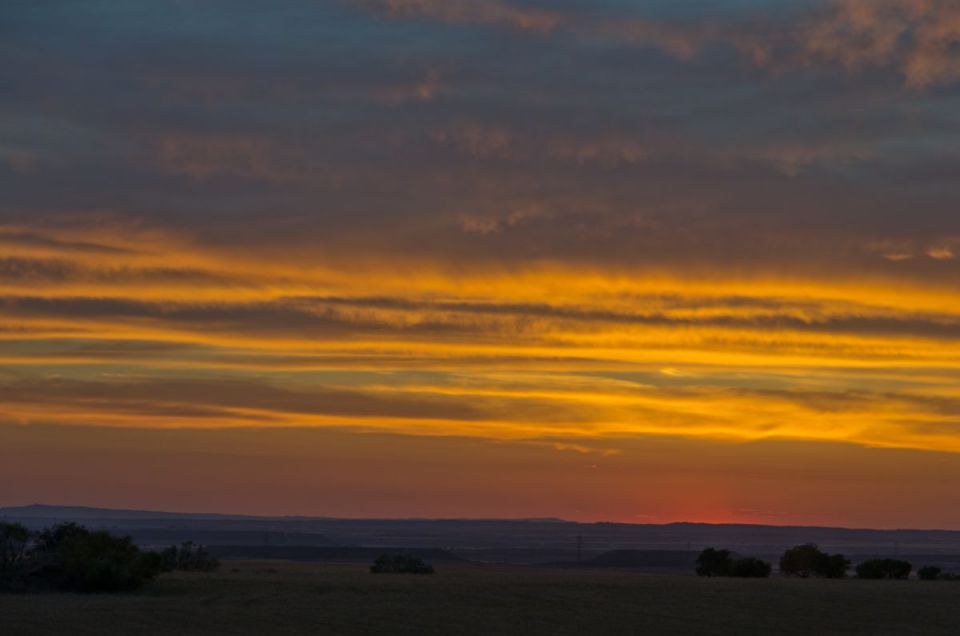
x,y
259,340
917,37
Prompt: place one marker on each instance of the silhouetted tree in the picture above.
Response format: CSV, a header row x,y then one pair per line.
x,y
752,568
50,539
70,557
808,560
836,567
801,560
884,569
400,564
713,562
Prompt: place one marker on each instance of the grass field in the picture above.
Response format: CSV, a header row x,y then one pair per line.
x,y
296,598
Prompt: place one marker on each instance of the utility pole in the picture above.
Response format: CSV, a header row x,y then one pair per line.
x,y
579,548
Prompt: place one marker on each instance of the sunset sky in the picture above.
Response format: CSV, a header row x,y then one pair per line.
x,y
643,261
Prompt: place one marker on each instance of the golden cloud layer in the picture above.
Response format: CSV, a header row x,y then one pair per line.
x,y
138,327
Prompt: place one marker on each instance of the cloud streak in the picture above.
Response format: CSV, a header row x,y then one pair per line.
x,y
589,351
916,38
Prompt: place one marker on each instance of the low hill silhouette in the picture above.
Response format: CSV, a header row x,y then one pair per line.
x,y
519,541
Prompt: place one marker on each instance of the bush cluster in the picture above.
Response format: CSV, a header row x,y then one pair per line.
x,y
400,564
751,568
713,562
69,557
933,573
884,569
803,561
808,560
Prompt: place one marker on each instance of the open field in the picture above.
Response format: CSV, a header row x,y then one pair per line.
x,y
292,598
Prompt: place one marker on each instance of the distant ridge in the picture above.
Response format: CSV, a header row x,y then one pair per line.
x,y
484,540
54,511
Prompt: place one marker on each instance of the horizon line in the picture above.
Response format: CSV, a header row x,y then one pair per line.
x,y
4,508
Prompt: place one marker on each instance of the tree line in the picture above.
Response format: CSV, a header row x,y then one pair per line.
x,y
69,557
808,560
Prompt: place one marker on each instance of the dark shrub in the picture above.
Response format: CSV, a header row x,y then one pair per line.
x,y
189,557
751,568
803,561
400,564
72,558
836,567
14,539
808,560
713,562
152,562
50,539
933,573
884,569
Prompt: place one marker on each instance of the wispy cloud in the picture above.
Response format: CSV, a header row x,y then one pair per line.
x,y
916,38
429,351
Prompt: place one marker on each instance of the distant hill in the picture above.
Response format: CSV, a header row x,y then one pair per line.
x,y
488,540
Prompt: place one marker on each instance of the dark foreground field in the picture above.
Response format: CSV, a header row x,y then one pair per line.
x,y
296,598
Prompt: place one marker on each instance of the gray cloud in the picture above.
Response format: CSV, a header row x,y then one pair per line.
x,y
204,397
338,316
429,136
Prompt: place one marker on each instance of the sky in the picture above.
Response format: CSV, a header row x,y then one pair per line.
x,y
642,261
